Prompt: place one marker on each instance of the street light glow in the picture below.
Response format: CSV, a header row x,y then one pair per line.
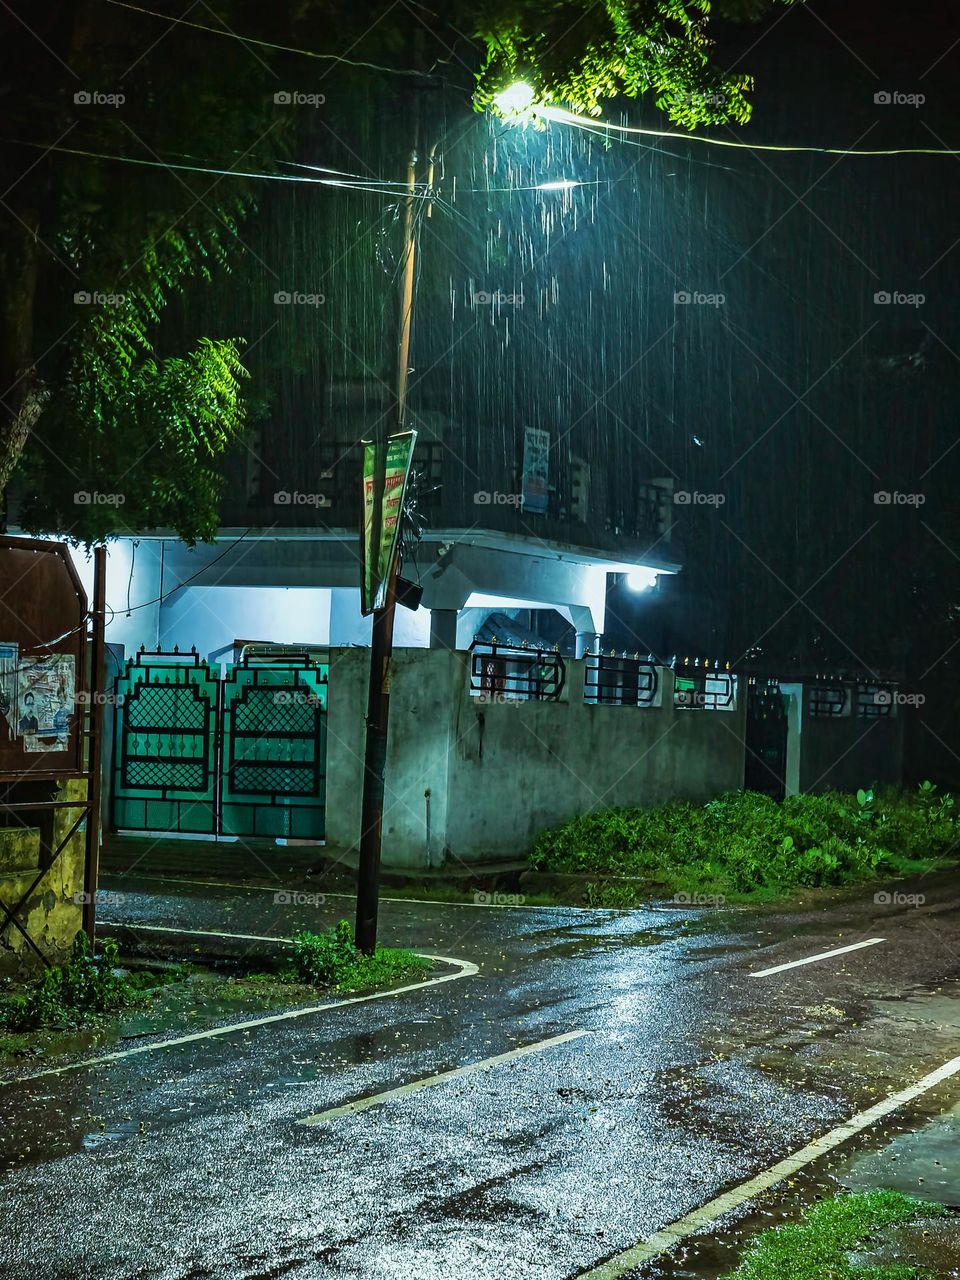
x,y
641,579
516,98
559,184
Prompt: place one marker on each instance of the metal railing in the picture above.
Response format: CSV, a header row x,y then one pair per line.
x,y
705,690
621,682
875,701
511,673
826,700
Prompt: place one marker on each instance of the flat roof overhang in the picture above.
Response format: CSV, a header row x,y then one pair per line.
x,y
288,557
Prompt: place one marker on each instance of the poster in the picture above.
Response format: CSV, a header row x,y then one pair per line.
x,y
45,701
9,656
386,470
535,483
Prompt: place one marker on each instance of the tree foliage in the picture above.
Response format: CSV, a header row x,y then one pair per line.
x,y
578,54
111,397
138,434
109,391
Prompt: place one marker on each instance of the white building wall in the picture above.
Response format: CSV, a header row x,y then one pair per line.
x,y
133,591
212,618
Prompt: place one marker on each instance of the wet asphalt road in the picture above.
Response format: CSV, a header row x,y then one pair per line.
x,y
693,1077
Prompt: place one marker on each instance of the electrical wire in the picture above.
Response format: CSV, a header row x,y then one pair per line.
x,y
268,44
562,116
375,185
402,186
47,644
186,581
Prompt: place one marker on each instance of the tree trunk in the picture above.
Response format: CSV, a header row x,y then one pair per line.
x,y
21,398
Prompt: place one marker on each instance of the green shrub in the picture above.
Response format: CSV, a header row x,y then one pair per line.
x,y
331,960
616,896
70,993
321,959
746,843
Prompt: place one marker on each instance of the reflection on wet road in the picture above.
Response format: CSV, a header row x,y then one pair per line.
x,y
191,1162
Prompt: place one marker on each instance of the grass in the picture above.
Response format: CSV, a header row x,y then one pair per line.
x,y
331,960
87,988
81,991
745,845
817,1247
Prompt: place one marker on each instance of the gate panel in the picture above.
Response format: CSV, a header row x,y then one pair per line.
x,y
765,764
165,761
274,749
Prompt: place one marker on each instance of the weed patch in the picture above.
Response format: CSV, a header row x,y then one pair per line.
x,y
331,960
746,844
818,1246
83,989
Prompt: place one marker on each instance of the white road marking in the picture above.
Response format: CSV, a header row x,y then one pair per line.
x,y
423,902
466,969
708,1214
193,933
362,1104
822,955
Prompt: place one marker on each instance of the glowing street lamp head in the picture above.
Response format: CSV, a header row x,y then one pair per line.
x,y
516,98
641,579
558,184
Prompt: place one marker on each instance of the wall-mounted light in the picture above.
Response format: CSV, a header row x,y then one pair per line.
x,y
641,579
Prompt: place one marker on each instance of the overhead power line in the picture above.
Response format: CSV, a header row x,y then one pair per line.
x,y
561,116
269,44
351,183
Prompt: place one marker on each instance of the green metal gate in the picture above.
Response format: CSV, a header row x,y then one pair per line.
x,y
274,749
245,755
165,745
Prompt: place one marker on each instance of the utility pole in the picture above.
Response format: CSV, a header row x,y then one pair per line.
x,y
381,646
91,871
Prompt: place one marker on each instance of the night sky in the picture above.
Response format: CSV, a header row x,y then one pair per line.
x,y
784,397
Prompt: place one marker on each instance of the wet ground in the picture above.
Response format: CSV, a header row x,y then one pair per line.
x,y
188,1161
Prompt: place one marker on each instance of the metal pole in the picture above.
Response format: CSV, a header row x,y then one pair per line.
x,y
374,764
91,869
406,301
381,644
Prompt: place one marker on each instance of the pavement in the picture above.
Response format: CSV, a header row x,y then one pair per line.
x,y
295,863
640,1083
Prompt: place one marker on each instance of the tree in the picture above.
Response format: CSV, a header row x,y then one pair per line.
x,y
578,54
111,398
101,396
154,425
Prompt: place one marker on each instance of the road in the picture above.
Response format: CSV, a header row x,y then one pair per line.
x,y
689,1076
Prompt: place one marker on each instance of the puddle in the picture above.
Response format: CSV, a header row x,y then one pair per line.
x,y
716,1252
933,1243
925,1163
197,1002
578,941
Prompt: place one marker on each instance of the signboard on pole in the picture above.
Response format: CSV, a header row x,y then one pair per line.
x,y
535,483
386,470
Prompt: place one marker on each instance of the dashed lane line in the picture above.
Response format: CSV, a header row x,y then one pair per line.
x,y
822,955
414,1086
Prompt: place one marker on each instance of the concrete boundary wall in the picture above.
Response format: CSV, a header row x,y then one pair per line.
x,y
498,773
846,752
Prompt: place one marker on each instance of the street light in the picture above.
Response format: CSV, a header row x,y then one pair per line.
x,y
515,99
641,579
559,184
